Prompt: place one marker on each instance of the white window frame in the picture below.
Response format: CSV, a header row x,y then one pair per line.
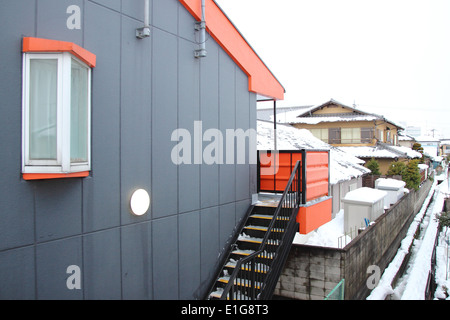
x,y
63,163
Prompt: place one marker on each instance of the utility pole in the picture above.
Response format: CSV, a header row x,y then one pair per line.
x,y
433,130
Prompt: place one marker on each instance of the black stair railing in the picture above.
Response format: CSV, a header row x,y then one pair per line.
x,y
255,276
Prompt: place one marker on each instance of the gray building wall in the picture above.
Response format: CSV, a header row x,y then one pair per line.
x,y
142,90
340,189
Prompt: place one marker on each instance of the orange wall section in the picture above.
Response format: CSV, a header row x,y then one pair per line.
x,y
317,174
313,216
261,80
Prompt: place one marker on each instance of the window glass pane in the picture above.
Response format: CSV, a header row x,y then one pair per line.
x,y
351,135
324,135
79,113
321,134
316,133
356,135
346,135
42,114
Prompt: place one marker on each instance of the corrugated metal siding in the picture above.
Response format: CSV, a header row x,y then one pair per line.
x,y
142,90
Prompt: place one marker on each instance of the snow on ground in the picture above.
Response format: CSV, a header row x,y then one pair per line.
x,y
327,235
418,276
442,275
384,285
413,283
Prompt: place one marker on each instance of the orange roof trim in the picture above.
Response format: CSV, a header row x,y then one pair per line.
x,y
45,45
261,79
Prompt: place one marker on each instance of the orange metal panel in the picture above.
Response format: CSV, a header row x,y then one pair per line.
x,y
317,173
314,174
312,217
316,190
296,156
317,157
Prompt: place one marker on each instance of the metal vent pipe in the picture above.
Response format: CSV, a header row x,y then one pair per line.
x,y
201,27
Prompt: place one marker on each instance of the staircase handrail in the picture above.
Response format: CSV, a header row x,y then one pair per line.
x,y
293,199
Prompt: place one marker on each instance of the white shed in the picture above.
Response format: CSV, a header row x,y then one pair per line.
x,y
395,190
361,206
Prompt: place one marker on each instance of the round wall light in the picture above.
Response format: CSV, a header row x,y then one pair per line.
x,y
139,202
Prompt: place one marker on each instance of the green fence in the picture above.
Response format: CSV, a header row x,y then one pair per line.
x,y
338,292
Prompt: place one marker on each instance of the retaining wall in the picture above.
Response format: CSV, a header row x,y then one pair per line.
x,y
311,272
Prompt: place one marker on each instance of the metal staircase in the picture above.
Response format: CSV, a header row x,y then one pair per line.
x,y
260,248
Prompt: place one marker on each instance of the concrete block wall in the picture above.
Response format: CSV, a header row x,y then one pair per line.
x,y
310,272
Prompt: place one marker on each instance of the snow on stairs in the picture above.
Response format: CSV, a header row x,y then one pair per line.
x,y
248,241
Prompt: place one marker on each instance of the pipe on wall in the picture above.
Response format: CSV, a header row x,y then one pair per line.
x,y
144,32
201,27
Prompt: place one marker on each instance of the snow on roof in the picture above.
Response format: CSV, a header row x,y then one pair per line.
x,y
382,151
305,117
427,138
365,195
288,138
343,166
408,151
423,166
403,137
369,152
388,183
316,120
437,158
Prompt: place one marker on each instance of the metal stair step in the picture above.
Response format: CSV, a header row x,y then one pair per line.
x,y
217,294
260,267
267,217
246,238
257,228
240,282
249,252
262,228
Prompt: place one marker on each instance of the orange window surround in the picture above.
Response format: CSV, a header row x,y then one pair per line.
x,y
31,44
39,176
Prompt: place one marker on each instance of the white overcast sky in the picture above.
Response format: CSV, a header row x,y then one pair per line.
x,y
390,57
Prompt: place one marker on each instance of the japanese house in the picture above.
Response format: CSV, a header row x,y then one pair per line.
x,y
365,135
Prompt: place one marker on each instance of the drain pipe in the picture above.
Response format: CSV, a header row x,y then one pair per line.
x,y
144,32
201,26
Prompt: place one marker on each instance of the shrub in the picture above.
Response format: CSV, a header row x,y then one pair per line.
x,y
397,168
412,175
374,166
444,219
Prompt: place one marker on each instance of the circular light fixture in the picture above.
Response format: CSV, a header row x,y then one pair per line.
x,y
139,202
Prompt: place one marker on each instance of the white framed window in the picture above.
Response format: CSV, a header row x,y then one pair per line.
x,y
321,134
351,135
56,113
